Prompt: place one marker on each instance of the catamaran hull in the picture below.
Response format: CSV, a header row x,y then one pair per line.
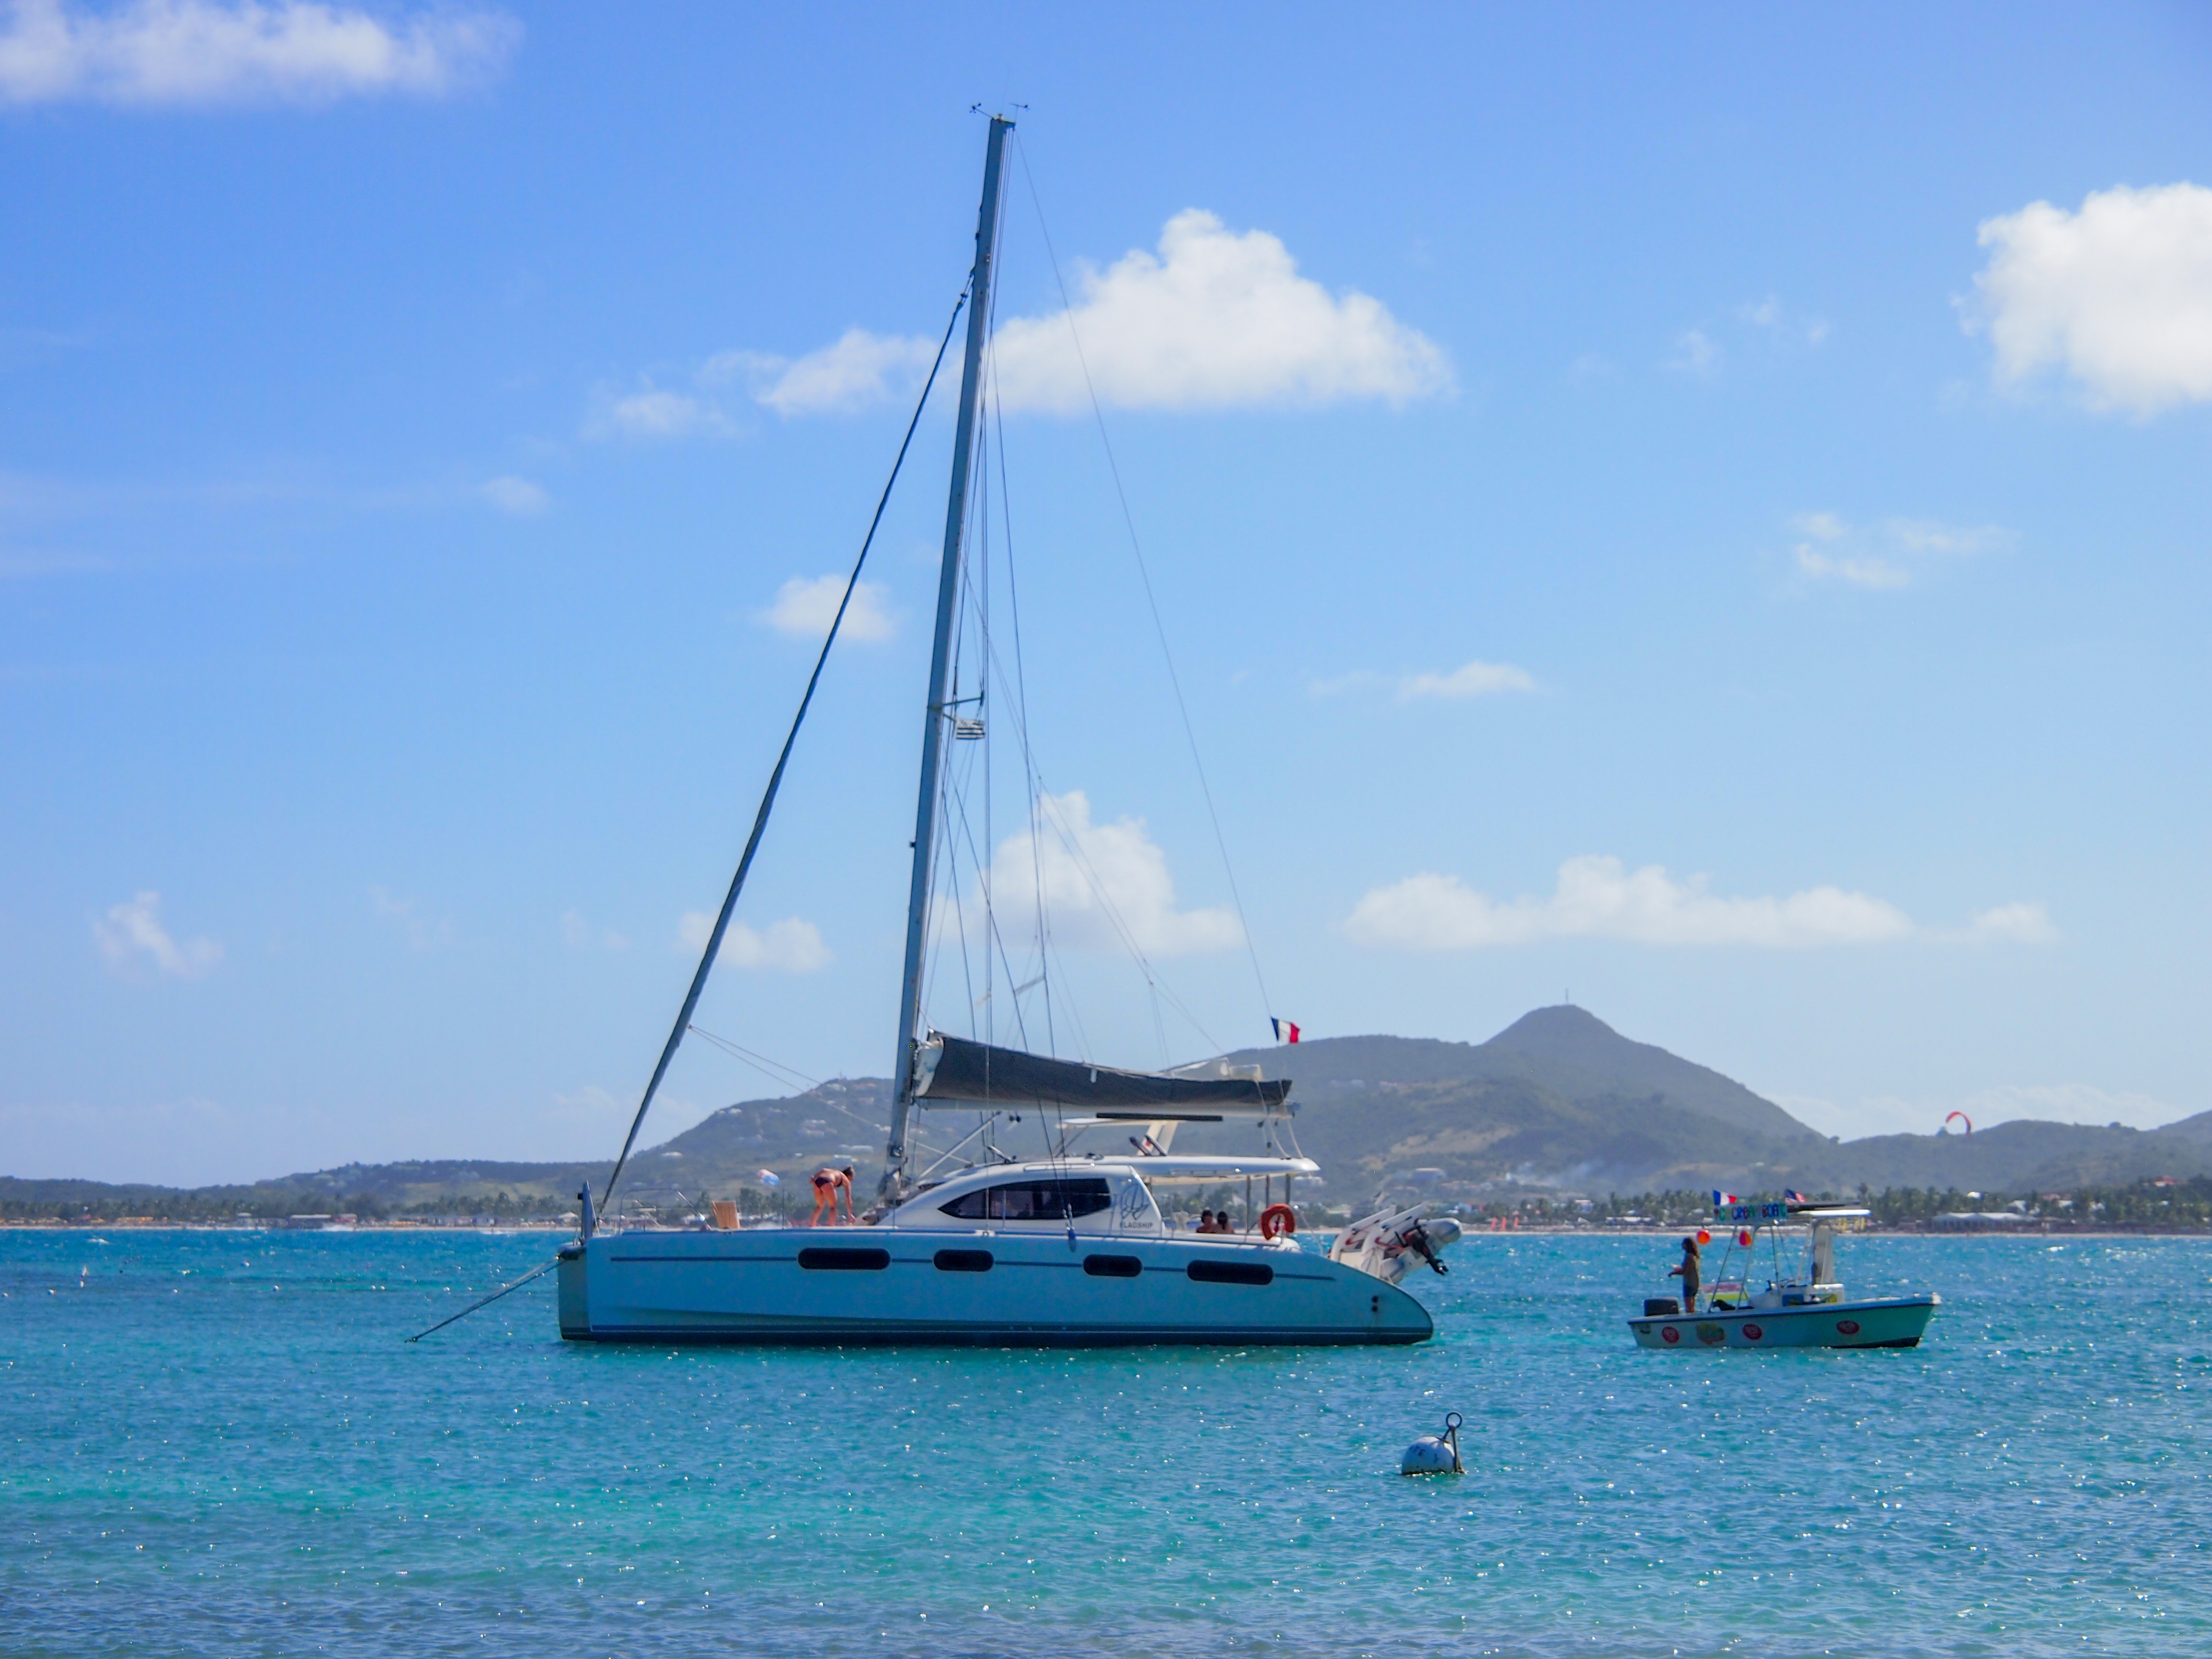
x,y
801,1287
1890,1324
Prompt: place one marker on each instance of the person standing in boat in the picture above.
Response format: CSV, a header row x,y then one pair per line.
x,y
1688,1273
828,1184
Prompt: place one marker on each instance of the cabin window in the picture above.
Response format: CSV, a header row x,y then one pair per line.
x,y
866,1262
963,1261
1113,1266
1033,1200
1230,1273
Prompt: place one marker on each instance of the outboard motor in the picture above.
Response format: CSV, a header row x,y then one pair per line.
x,y
1416,1239
1389,1241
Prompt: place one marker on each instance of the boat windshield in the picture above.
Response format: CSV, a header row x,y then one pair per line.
x,y
1034,1199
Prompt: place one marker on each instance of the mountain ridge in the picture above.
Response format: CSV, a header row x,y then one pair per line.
x,y
1557,1099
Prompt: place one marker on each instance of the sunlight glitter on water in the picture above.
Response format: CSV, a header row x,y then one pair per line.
x,y
218,1443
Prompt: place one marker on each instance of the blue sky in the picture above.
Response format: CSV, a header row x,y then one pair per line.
x,y
1701,511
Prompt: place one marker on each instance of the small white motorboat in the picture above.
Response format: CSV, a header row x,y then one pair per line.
x,y
1806,1308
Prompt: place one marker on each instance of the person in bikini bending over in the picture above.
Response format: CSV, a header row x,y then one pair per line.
x,y
828,1184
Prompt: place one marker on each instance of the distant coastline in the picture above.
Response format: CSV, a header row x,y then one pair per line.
x,y
1555,1123
2032,1229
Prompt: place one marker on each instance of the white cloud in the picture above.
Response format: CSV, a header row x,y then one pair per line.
x,y
805,607
1858,572
2118,294
655,413
860,369
1759,330
1104,886
1215,319
1599,897
1888,555
1337,684
420,931
1783,326
790,946
1696,353
1925,535
133,934
201,53
2011,924
581,935
1473,679
516,497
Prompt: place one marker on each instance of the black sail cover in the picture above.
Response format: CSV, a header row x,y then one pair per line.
x,y
977,1072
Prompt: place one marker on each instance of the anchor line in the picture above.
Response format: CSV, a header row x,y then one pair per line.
x,y
538,1272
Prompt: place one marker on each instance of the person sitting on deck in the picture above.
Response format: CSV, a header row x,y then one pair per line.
x,y
828,1184
1688,1272
1205,1221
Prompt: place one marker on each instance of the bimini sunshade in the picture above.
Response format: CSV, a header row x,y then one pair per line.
x,y
952,1070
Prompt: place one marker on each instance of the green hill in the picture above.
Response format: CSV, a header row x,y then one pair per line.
x,y
1557,1099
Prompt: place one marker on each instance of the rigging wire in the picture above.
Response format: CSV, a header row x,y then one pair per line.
x,y
761,1063
974,641
1022,702
1160,627
783,759
979,588
775,1070
1045,812
991,934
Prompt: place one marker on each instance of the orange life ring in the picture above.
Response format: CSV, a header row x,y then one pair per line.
x,y
1277,1219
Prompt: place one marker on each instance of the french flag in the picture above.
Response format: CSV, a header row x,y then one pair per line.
x,y
1721,1200
1284,1030
1790,1196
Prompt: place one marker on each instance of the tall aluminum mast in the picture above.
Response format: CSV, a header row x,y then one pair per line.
x,y
935,714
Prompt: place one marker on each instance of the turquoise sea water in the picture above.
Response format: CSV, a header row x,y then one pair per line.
x,y
216,1443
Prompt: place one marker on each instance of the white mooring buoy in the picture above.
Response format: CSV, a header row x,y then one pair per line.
x,y
1435,1454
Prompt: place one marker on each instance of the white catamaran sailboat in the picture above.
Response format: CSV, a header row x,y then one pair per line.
x,y
1070,1248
